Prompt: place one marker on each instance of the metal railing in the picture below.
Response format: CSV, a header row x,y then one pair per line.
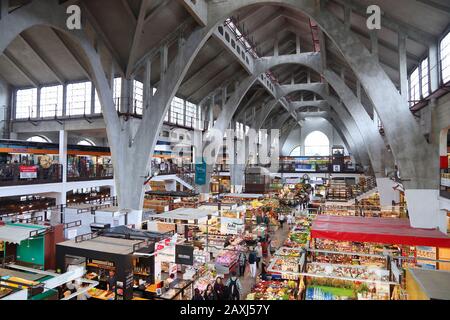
x,y
84,172
17,174
445,183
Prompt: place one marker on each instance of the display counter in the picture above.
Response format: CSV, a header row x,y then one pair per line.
x,y
285,264
274,290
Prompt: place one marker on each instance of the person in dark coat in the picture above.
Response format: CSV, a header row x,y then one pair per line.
x,y
209,293
219,289
197,295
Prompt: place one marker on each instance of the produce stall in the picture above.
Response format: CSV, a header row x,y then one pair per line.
x,y
274,290
325,281
286,264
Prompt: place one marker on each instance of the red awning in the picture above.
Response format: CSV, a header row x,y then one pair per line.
x,y
376,230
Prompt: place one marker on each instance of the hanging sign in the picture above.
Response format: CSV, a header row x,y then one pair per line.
x,y
231,225
28,172
184,255
200,173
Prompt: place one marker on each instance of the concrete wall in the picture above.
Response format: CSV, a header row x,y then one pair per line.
x,y
72,138
298,135
5,96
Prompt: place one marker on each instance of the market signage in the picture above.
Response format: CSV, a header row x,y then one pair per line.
x,y
184,255
231,225
200,173
28,172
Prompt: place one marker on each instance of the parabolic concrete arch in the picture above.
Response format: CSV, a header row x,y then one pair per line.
x,y
410,149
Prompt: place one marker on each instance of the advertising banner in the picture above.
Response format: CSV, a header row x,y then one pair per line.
x,y
28,172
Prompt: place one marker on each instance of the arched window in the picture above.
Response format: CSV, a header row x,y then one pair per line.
x,y
86,142
317,144
39,139
296,152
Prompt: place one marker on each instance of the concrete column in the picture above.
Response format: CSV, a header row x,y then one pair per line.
x,y
210,115
403,67
148,92
386,190
424,210
63,161
64,106
297,44
433,60
126,103
38,103
92,111
60,198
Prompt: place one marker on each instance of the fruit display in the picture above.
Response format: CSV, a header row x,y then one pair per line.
x,y
288,252
287,267
346,271
274,290
351,260
297,240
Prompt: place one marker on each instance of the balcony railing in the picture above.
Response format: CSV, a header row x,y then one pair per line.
x,y
86,172
17,174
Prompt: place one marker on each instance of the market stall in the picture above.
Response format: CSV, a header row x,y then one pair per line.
x,y
109,260
274,290
395,237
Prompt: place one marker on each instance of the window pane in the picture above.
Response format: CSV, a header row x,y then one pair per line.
x,y
414,87
79,98
97,104
445,58
117,92
191,114
317,144
177,111
51,101
138,91
26,103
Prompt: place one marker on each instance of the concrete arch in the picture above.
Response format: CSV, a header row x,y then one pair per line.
x,y
406,140
381,159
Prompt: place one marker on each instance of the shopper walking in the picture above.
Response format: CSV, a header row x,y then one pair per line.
x,y
209,293
242,263
219,289
266,221
281,219
234,287
252,257
289,219
259,254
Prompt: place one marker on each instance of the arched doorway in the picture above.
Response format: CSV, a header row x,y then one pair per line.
x,y
317,144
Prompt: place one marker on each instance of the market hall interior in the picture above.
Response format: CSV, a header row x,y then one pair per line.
x,y
153,131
